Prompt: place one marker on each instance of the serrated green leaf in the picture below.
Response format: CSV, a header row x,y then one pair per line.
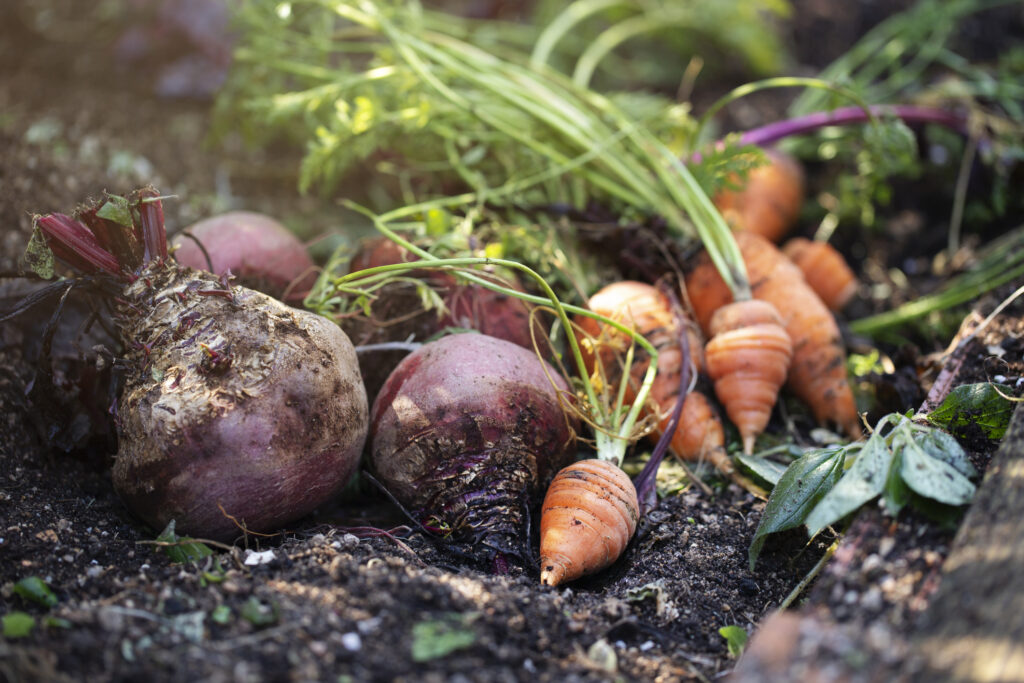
x,y
735,639
116,209
38,258
929,476
768,470
438,638
863,481
184,549
35,589
18,624
798,491
983,404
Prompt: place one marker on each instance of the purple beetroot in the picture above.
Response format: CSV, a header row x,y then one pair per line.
x,y
237,411
466,431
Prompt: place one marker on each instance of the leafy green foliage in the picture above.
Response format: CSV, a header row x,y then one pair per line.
x,y
17,624
38,257
36,590
901,459
984,404
434,639
735,639
179,549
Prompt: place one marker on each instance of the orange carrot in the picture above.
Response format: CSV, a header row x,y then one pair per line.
x,y
825,270
818,371
769,203
589,514
748,357
699,435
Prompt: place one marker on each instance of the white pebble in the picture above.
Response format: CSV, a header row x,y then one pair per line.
x,y
253,558
352,642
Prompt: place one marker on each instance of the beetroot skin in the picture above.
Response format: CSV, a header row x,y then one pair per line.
x,y
466,431
259,251
237,411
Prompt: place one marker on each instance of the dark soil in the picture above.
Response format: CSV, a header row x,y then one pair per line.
x,y
334,599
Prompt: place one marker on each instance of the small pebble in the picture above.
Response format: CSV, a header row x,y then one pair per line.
x,y
352,642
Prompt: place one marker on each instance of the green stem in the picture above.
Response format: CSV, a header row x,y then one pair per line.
x,y
612,438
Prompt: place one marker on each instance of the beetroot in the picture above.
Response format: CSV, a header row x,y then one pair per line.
x,y
259,251
237,410
466,431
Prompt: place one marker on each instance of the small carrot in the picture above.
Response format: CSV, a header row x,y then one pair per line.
x,y
769,203
699,435
825,270
748,357
818,370
589,514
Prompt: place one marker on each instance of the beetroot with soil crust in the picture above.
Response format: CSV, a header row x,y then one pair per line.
x,y
235,405
466,431
261,252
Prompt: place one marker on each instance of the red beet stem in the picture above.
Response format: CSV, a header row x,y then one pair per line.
x,y
72,242
154,235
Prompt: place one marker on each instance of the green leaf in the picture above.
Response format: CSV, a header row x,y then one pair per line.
x,y
931,476
56,622
38,258
184,549
221,614
438,638
116,209
984,404
863,481
803,484
768,470
18,624
947,449
258,613
896,493
35,589
735,639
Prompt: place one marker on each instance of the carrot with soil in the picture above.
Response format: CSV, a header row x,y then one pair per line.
x,y
236,409
643,307
818,371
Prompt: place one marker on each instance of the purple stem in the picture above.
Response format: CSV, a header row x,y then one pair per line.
x,y
154,234
644,482
778,130
71,241
773,132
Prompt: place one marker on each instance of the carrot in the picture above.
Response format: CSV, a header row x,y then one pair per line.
x,y
699,435
589,514
825,270
818,370
748,357
769,203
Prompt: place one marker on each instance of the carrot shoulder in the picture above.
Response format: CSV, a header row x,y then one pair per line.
x,y
818,371
589,514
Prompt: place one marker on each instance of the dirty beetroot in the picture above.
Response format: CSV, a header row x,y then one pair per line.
x,y
326,603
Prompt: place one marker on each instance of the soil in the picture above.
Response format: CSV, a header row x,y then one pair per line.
x,y
333,597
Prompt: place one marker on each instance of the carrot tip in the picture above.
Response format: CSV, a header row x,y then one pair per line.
x,y
748,444
552,575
